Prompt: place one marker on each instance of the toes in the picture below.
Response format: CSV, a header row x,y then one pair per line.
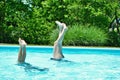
x,y
22,42
58,23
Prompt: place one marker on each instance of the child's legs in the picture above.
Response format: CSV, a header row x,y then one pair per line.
x,y
24,53
60,26
61,36
58,50
20,54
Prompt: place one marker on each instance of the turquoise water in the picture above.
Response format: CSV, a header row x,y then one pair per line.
x,y
81,64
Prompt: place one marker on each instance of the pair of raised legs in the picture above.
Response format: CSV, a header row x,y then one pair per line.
x,y
57,52
22,51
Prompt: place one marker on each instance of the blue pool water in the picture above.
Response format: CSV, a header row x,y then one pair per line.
x,y
82,64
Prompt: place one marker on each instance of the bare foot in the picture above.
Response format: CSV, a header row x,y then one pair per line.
x,y
22,42
59,25
64,26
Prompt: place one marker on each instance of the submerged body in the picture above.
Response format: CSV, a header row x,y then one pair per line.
x,y
22,57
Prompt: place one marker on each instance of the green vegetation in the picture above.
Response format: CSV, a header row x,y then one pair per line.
x,y
82,35
34,21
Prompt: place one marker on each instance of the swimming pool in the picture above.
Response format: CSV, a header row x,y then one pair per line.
x,y
83,64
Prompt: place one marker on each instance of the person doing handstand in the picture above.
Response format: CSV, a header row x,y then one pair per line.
x,y
57,52
22,56
22,51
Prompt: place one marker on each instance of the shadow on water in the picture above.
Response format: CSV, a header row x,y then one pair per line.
x,y
60,60
64,63
70,64
32,70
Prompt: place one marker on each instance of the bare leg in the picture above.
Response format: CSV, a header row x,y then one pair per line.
x,y
60,26
57,54
22,52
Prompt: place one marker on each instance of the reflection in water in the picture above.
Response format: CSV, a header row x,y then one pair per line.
x,y
32,69
64,63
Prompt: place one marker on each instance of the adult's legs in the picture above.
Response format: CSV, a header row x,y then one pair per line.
x,y
22,51
57,54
